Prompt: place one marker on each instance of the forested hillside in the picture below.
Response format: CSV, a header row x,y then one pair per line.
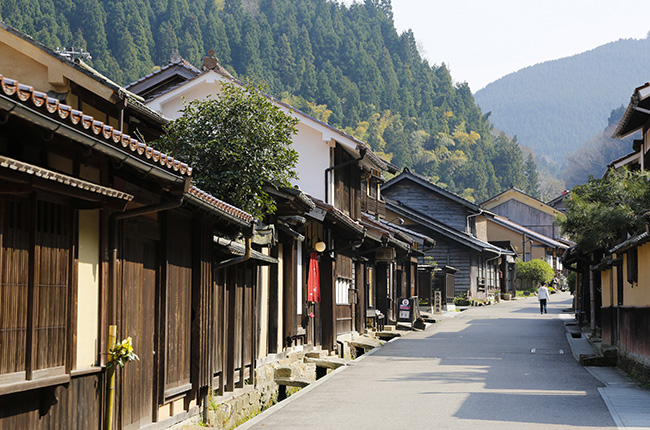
x,y
592,158
555,107
347,66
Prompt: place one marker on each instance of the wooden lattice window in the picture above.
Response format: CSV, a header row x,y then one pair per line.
x,y
14,262
35,243
632,266
344,279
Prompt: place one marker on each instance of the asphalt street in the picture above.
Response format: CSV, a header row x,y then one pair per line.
x,y
497,367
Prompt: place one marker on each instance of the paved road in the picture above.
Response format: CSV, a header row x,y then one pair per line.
x,y
498,367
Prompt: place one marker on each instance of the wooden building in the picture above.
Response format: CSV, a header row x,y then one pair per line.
x,y
97,228
458,227
526,211
341,174
623,304
528,244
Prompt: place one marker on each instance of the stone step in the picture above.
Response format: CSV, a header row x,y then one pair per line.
x,y
388,335
316,354
293,382
330,362
283,372
365,343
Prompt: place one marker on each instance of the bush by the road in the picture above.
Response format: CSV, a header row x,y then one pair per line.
x,y
536,270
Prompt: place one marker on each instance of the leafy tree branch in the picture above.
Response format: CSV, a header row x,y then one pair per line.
x,y
237,142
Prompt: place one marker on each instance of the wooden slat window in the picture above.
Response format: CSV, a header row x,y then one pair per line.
x,y
51,284
632,266
35,247
14,255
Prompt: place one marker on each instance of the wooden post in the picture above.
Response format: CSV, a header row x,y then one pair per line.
x,y
110,394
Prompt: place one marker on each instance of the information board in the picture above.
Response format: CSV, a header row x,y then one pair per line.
x,y
405,311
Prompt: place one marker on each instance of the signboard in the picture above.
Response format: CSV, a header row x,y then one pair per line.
x,y
437,303
385,254
405,311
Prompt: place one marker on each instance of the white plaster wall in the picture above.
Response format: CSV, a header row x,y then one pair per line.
x,y
170,104
313,159
88,289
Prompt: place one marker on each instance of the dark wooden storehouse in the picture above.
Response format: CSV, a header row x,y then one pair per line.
x,y
457,226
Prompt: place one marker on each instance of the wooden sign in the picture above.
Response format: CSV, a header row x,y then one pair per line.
x,y
385,254
437,304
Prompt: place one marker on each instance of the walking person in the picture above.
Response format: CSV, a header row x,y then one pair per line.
x,y
542,296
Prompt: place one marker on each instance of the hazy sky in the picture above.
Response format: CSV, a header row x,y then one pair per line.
x,y
483,40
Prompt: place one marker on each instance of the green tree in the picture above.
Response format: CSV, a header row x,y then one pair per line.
x,y
348,62
603,212
237,142
533,177
536,270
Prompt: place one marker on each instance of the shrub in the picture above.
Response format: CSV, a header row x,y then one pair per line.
x,y
536,271
461,301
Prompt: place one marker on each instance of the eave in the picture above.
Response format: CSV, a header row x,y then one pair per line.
x,y
636,114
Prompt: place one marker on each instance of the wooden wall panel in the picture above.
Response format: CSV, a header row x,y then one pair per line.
x,y
178,310
289,292
449,253
248,322
203,311
139,284
343,319
429,202
79,406
218,330
633,330
238,315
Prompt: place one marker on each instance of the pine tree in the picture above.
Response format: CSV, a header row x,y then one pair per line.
x,y
532,176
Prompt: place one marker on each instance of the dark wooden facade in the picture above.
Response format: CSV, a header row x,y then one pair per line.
x,y
451,221
187,302
431,201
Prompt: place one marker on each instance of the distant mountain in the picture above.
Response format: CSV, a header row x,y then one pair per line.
x,y
592,158
556,106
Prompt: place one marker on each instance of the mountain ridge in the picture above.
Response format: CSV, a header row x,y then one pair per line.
x,y
555,106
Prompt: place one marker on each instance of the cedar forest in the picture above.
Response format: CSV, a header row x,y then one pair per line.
x,y
346,66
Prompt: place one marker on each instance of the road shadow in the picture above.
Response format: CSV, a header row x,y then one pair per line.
x,y
514,367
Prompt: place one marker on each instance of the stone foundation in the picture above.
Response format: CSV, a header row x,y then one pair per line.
x,y
245,403
636,366
232,409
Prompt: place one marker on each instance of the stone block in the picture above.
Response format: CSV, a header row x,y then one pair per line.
x,y
329,363
293,382
596,360
283,372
